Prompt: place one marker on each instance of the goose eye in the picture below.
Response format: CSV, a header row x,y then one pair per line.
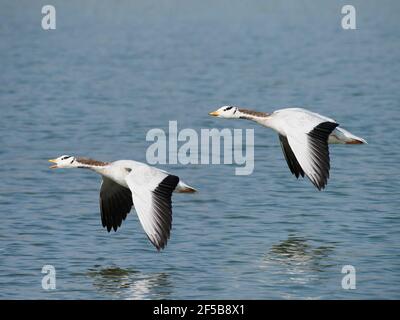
x,y
63,158
229,108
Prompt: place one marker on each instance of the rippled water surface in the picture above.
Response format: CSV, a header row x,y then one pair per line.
x,y
110,72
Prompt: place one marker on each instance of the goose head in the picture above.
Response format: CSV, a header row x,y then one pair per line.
x,y
63,161
228,112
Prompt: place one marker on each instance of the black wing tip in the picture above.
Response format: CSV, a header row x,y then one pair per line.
x,y
319,181
115,208
109,228
320,187
329,125
318,138
291,160
159,244
161,247
171,181
323,130
298,174
163,210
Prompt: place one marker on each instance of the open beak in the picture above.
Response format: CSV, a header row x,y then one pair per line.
x,y
53,161
214,113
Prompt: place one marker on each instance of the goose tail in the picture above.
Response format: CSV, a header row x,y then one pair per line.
x,y
184,188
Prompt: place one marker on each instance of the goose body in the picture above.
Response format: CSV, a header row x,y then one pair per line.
x,y
304,138
127,183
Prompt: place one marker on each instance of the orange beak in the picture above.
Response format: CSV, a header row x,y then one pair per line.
x,y
214,113
53,161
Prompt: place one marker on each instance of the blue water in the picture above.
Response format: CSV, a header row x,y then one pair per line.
x,y
112,71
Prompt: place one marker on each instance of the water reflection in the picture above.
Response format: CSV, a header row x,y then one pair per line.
x,y
298,259
130,284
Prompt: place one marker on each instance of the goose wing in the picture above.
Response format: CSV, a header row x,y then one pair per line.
x,y
307,152
291,159
115,204
151,193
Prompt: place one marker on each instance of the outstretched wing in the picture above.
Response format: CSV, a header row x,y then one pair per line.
x,y
151,193
310,152
291,160
115,204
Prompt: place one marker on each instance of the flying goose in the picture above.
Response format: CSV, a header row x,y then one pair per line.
x,y
128,183
304,138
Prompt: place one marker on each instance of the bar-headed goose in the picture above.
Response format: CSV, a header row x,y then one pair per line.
x,y
304,137
128,183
